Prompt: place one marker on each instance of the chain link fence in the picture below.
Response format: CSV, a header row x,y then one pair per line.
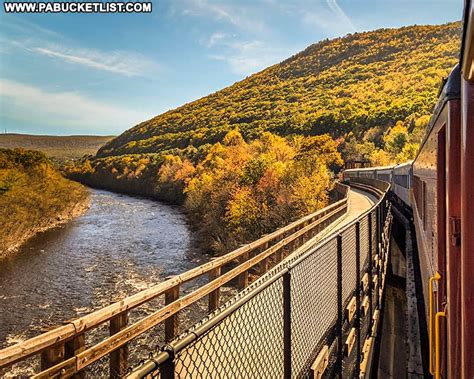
x,y
308,317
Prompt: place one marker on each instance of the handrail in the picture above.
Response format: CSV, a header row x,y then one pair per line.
x,y
280,239
435,277
287,265
437,344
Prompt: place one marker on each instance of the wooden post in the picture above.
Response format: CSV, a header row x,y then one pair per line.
x,y
306,236
264,263
172,322
243,278
214,296
291,247
118,358
72,348
279,255
52,356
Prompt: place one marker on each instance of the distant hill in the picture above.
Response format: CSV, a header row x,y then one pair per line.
x,y
349,84
57,147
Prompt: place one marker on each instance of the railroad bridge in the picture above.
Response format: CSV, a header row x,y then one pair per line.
x,y
304,301
342,292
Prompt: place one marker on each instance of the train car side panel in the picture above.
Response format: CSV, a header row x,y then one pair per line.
x,y
401,182
453,242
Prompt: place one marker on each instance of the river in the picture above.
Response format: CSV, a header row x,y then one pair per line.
x,y
120,246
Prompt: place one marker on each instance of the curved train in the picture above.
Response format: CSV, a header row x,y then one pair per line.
x,y
438,187
400,177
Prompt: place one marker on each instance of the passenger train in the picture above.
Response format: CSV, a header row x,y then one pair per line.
x,y
400,176
438,187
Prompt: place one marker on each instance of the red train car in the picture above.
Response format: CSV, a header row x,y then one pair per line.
x,y
443,210
440,184
436,210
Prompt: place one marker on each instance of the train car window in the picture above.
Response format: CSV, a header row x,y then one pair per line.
x,y
417,194
401,180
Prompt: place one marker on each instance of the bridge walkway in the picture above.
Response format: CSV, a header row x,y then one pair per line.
x,y
359,202
257,257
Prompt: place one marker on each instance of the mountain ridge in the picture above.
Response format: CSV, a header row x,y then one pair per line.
x,y
55,147
256,155
331,77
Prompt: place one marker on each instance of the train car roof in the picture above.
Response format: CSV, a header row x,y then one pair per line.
x,y
409,163
450,90
451,87
370,168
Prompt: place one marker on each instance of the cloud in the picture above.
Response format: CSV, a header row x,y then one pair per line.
x,y
338,10
215,38
25,27
118,62
330,18
54,46
238,15
248,57
29,105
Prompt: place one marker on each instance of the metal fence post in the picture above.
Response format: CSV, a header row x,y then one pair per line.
x,y
287,324
377,250
339,307
370,268
168,368
357,320
377,230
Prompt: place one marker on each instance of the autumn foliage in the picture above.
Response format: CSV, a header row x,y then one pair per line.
x,y
255,155
33,196
343,86
235,190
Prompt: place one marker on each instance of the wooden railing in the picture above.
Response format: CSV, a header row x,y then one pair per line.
x,y
64,352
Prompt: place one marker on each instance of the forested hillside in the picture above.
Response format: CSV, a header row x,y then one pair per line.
x,y
351,84
34,197
253,156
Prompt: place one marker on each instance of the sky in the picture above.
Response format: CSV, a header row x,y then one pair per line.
x,y
101,73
